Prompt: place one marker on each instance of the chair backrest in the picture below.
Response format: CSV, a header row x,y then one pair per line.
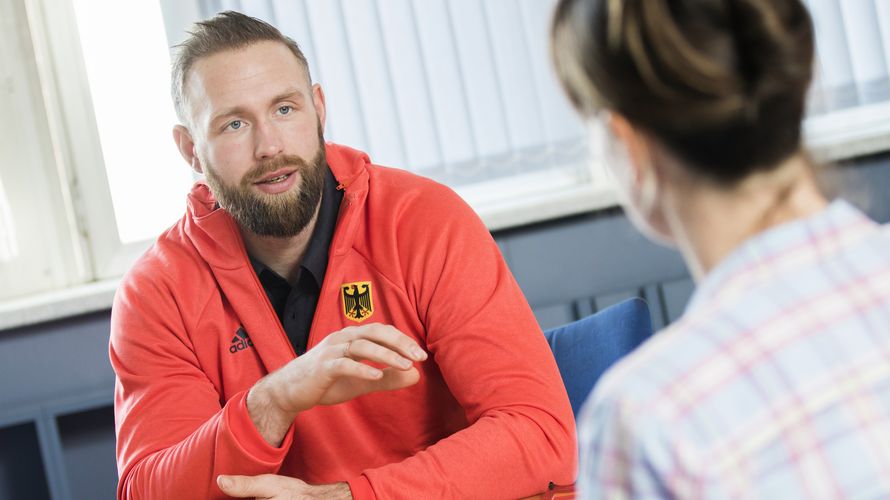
x,y
585,348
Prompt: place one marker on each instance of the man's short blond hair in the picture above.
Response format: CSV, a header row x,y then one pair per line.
x,y
226,31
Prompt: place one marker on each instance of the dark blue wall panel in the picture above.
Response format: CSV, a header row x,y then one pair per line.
x,y
88,452
21,469
53,361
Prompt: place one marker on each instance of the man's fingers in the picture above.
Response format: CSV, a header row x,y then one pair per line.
x,y
371,351
391,380
367,379
349,387
262,486
248,486
386,336
396,379
346,367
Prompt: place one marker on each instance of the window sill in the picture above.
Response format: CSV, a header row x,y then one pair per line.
x,y
57,304
537,197
849,133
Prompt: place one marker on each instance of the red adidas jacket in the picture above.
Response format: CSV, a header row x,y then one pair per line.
x,y
488,419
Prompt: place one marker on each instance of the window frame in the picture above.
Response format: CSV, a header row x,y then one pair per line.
x,y
60,260
75,136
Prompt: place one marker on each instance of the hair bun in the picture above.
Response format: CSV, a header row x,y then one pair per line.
x,y
773,47
721,82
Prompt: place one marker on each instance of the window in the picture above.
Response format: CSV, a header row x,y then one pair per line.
x,y
98,115
129,89
457,90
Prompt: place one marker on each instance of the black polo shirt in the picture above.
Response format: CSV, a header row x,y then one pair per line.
x,y
295,305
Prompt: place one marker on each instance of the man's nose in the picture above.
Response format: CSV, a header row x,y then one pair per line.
x,y
268,141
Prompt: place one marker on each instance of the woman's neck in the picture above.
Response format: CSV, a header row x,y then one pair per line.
x,y
709,222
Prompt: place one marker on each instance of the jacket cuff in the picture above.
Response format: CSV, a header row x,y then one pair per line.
x,y
361,488
248,438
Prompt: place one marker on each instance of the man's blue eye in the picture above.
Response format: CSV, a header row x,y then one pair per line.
x,y
235,125
285,110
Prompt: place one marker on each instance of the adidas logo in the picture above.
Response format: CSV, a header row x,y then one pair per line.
x,y
240,341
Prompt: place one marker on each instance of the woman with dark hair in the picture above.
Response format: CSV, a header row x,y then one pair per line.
x,y
775,383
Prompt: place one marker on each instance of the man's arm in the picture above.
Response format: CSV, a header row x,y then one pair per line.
x,y
174,436
494,359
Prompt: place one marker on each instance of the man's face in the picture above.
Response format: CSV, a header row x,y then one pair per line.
x,y
257,123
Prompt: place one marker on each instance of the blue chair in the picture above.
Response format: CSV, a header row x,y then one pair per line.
x,y
585,348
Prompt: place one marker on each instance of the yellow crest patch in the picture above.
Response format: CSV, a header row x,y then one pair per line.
x,y
358,302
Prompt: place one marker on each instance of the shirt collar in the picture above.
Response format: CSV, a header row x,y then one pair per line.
x,y
315,260
783,245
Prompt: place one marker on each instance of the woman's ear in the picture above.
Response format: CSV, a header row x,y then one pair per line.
x,y
638,154
642,176
647,181
186,146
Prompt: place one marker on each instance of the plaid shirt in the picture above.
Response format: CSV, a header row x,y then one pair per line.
x,y
775,383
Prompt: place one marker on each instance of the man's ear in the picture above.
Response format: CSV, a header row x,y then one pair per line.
x,y
318,101
186,146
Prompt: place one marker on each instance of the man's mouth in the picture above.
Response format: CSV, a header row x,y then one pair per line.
x,y
275,180
276,177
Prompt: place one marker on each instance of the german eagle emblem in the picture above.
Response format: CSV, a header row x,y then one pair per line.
x,y
358,304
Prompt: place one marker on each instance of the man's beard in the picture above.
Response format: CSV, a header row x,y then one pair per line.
x,y
282,215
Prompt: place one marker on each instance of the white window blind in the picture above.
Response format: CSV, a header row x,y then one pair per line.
x,y
849,111
457,90
853,47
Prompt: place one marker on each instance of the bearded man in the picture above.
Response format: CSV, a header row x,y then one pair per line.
x,y
317,326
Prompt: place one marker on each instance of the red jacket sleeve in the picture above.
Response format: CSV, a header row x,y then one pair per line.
x,y
495,360
174,432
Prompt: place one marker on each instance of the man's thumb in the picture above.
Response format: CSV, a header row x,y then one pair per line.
x,y
238,486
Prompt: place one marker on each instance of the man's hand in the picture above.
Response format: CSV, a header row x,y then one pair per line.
x,y
331,373
272,487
